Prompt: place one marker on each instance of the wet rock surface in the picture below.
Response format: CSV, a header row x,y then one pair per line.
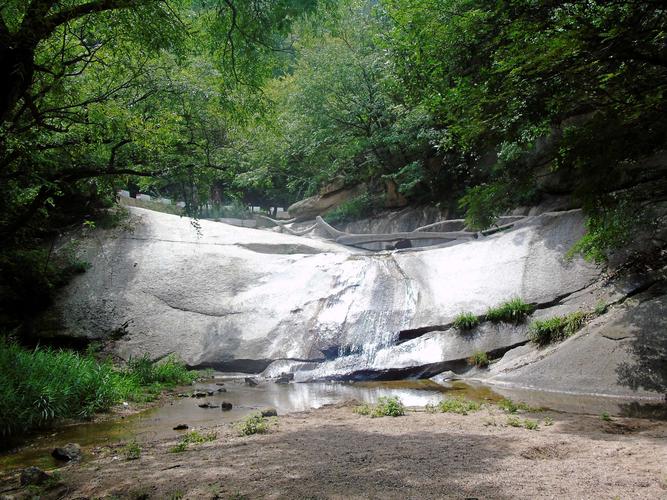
x,y
69,452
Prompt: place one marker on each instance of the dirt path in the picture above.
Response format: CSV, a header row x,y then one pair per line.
x,y
335,453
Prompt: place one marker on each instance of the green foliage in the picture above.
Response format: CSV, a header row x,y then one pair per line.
x,y
132,451
253,424
458,405
513,311
510,406
193,437
169,371
556,329
357,208
514,421
387,406
480,359
466,321
43,386
606,417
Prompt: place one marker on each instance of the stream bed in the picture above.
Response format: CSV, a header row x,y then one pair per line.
x,y
158,422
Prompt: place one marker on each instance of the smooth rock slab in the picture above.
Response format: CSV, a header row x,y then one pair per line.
x,y
218,297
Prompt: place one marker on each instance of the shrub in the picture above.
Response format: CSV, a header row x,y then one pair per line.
x,y
556,329
479,359
513,311
169,371
389,407
606,417
512,407
253,424
385,407
458,405
466,321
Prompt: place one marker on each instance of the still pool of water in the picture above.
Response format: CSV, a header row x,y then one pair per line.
x,y
159,422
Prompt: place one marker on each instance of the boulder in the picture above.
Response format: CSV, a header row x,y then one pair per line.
x,y
323,202
181,427
269,412
225,406
33,476
69,452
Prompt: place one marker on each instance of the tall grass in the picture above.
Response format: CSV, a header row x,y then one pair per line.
x,y
41,386
512,311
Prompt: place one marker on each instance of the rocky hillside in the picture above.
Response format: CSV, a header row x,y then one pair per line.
x,y
251,300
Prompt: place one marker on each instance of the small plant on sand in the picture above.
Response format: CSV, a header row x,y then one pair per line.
x,y
531,425
606,417
385,407
132,450
513,311
193,437
479,359
548,421
466,321
253,424
510,406
514,421
458,405
388,407
556,329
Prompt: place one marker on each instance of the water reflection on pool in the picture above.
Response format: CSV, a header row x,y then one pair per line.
x,y
159,422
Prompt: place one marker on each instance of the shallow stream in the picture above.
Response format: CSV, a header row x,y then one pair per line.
x,y
159,422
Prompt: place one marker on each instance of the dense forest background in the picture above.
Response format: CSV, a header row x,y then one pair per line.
x,y
475,105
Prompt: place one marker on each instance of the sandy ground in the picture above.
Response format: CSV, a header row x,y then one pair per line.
x,y
334,453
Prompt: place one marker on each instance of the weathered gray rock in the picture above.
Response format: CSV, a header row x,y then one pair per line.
x,y
33,476
221,298
621,353
326,200
69,452
269,412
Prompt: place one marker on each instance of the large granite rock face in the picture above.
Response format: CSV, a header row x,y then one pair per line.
x,y
239,299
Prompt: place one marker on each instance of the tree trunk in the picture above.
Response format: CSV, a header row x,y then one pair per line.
x,y
17,68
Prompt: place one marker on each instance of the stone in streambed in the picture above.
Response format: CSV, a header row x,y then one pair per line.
x,y
181,427
69,452
225,406
208,405
269,412
33,476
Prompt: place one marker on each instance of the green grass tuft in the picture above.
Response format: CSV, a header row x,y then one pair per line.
x,y
479,359
132,451
385,407
466,321
458,405
513,311
544,332
253,424
510,406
